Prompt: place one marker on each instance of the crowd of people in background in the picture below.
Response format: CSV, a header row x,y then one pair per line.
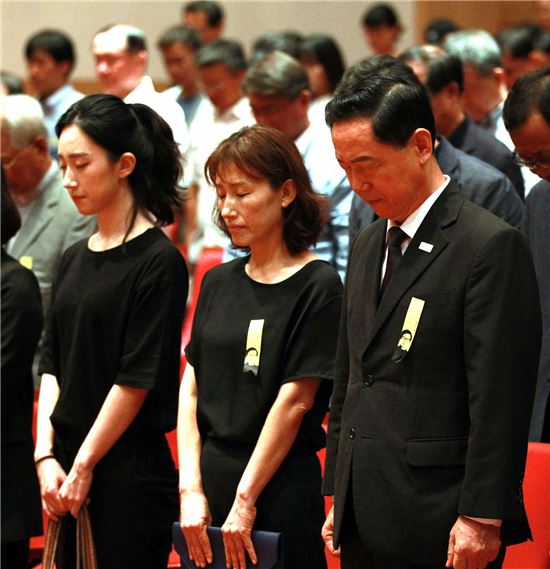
x,y
236,156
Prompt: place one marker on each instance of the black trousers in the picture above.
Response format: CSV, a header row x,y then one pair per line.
x,y
15,555
132,504
354,554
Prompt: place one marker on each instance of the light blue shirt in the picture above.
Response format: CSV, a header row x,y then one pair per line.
x,y
328,178
54,106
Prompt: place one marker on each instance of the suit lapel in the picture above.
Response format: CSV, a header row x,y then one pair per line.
x,y
415,261
373,270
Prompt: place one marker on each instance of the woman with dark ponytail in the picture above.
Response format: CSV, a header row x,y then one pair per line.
x,y
110,367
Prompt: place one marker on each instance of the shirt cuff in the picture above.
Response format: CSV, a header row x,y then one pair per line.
x,y
488,521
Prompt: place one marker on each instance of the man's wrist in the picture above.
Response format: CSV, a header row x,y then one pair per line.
x,y
487,521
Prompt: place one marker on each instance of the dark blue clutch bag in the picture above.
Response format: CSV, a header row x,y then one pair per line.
x,y
268,546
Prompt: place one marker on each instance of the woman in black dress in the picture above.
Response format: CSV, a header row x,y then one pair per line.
x,y
111,357
260,361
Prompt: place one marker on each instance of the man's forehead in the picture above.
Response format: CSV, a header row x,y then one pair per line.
x,y
354,140
268,100
471,73
196,19
215,68
40,53
534,133
353,128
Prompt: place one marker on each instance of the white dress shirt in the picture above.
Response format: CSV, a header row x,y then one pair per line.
x,y
169,110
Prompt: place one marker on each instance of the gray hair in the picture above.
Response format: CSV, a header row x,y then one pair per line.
x,y
227,52
477,48
23,118
276,75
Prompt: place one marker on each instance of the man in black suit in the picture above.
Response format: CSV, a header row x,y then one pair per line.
x,y
442,74
426,450
527,117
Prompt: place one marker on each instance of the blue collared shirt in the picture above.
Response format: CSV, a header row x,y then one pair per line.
x,y
328,178
54,106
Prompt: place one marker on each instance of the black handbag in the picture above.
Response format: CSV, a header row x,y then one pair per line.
x,y
268,546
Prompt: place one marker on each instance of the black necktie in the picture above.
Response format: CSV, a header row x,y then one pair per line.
x,y
395,238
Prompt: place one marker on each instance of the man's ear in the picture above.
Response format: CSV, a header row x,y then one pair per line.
x,y
453,90
41,142
141,57
423,144
66,67
288,193
305,97
499,75
126,164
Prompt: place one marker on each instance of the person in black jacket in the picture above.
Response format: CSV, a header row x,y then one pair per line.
x,y
527,117
21,328
442,74
426,450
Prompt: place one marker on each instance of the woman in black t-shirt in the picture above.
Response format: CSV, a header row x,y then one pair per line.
x,y
111,356
260,361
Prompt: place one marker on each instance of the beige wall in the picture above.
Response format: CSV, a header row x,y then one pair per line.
x,y
245,21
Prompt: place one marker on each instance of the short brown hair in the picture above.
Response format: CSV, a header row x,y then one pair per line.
x,y
265,153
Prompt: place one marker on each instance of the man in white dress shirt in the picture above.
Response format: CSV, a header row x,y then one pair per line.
x,y
120,53
222,65
279,93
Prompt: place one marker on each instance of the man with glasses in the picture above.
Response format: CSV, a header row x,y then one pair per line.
x,y
50,221
484,86
527,118
279,92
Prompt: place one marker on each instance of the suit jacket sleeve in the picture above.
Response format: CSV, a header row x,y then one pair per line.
x,y
502,335
503,200
341,374
21,327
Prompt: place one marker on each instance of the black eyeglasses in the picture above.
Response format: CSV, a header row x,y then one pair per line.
x,y
11,163
531,164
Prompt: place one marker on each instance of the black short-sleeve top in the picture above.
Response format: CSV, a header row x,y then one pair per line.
x,y
249,338
116,318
